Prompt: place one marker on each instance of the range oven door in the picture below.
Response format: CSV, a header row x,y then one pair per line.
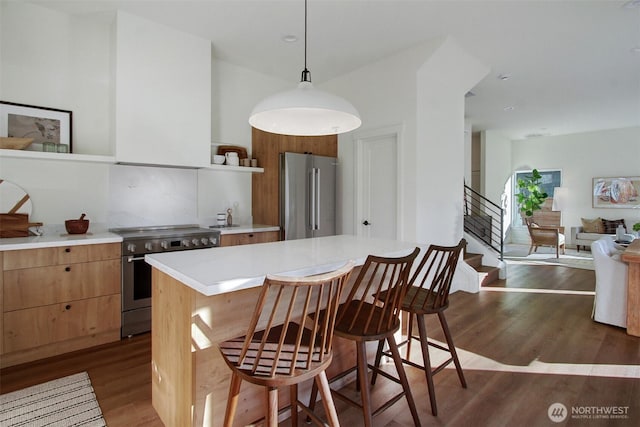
x,y
136,295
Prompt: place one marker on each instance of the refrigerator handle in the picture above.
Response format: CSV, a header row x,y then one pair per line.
x,y
317,202
312,199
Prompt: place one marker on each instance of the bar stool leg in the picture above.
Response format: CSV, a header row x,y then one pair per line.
x,y
364,383
403,379
293,399
232,400
422,330
327,400
452,348
374,374
272,406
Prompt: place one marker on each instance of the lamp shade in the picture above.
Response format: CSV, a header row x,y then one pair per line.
x,y
559,198
305,111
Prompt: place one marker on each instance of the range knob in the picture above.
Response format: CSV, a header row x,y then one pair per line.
x,y
131,247
205,240
186,243
164,244
148,246
195,242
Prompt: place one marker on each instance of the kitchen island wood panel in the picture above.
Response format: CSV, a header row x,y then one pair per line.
x,y
632,256
194,309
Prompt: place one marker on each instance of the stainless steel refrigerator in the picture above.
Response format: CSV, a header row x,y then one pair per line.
x,y
307,195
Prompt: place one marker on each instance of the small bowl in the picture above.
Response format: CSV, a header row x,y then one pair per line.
x,y
76,226
218,160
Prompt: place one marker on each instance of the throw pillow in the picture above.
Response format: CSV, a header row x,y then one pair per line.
x,y
592,225
611,225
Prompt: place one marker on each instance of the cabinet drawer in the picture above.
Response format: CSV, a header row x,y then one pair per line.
x,y
39,326
41,257
34,287
249,238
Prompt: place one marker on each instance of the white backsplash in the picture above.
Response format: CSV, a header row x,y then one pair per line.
x,y
152,196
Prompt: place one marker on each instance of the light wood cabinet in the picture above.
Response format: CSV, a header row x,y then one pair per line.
x,y
266,147
56,300
249,238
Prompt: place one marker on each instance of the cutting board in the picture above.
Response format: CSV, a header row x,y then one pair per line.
x,y
16,225
14,199
242,152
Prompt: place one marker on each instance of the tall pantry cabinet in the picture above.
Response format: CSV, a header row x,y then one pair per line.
x,y
266,147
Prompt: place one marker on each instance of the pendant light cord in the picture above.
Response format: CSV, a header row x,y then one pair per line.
x,y
306,74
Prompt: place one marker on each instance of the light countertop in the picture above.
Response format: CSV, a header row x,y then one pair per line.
x,y
56,236
226,269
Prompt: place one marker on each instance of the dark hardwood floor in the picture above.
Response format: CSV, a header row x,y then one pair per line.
x,y
521,351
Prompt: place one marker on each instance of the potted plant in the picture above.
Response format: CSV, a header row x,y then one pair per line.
x,y
636,228
530,196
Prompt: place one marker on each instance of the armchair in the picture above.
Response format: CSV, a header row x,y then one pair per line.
x,y
545,236
610,302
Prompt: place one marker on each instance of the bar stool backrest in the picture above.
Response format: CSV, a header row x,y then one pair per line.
x,y
381,280
276,344
434,274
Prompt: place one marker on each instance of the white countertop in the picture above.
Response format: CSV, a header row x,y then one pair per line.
x,y
56,235
220,270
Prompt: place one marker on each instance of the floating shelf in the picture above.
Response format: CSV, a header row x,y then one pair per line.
x,y
234,168
40,155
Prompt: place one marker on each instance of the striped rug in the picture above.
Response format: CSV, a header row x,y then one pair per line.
x,y
68,401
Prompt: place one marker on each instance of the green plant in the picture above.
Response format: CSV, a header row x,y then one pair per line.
x,y
530,196
636,226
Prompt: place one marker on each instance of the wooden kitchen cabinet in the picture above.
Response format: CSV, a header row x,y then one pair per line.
x,y
249,238
265,187
56,300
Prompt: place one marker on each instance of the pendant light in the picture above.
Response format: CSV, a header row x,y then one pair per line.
x,y
305,110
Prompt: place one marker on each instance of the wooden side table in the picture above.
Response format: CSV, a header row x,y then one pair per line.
x,y
632,256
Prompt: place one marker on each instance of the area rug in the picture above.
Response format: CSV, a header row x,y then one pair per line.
x,y
68,401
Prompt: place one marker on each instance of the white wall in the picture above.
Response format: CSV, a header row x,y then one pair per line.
x,y
582,157
427,100
79,76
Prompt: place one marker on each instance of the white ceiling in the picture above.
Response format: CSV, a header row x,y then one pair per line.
x,y
572,64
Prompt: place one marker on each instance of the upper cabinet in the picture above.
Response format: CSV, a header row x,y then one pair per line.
x,y
162,95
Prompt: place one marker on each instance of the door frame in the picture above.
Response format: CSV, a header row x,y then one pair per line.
x,y
362,138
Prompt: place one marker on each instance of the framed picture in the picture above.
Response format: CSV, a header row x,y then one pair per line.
x,y
50,128
619,192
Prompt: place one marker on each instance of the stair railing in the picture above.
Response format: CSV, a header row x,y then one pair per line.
x,y
484,219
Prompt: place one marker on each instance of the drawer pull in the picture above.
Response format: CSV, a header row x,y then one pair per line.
x,y
67,307
250,235
67,269
67,250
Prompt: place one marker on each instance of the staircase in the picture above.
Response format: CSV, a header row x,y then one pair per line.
x,y
486,274
483,219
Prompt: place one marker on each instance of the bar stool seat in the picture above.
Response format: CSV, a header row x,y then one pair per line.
x,y
283,347
363,319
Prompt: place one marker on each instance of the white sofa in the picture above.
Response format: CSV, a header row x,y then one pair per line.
x,y
610,303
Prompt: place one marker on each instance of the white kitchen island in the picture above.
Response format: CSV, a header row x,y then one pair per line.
x,y
203,297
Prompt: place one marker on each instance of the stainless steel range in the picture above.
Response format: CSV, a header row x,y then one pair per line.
x,y
136,273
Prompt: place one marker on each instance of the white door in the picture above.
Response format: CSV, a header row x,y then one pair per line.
x,y
377,189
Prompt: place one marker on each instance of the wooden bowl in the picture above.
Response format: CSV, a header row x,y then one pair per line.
x,y
15,143
76,226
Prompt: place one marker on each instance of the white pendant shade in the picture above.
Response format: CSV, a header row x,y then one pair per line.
x,y
305,111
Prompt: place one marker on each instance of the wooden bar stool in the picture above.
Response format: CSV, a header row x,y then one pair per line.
x,y
371,312
429,294
284,345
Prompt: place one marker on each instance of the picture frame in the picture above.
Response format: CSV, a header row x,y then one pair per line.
x,y
616,192
50,128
